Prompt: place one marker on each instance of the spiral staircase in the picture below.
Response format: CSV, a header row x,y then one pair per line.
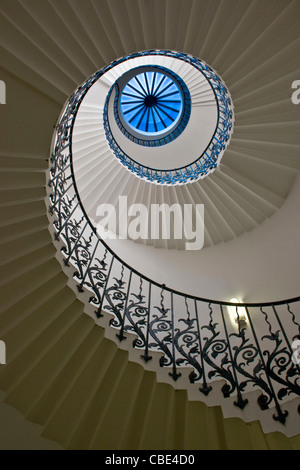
x,y
76,385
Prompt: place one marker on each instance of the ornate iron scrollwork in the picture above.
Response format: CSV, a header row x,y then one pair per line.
x,y
256,357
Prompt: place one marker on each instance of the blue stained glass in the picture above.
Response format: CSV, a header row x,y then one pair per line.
x,y
151,103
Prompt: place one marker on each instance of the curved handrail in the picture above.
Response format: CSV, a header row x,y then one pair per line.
x,y
254,349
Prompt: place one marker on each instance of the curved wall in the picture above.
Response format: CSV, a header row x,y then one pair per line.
x,y
260,266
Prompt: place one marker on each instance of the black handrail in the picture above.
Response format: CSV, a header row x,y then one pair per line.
x,y
261,356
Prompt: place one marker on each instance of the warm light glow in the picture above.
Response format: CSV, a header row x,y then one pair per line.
x,y
238,314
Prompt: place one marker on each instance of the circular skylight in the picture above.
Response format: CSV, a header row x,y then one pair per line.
x,y
173,105
151,103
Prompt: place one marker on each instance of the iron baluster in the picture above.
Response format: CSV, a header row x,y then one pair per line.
x,y
280,360
161,324
81,256
281,417
146,356
55,175
205,388
284,335
116,297
174,374
75,242
135,313
80,286
240,402
120,335
58,197
96,278
116,293
263,400
215,347
68,217
98,311
249,353
187,344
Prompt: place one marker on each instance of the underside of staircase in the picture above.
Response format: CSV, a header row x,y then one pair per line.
x,y
75,387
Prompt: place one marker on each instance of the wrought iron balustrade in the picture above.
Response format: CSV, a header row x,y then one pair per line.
x,y
207,161
188,331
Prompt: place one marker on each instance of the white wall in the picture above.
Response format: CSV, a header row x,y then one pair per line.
x,y
263,265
